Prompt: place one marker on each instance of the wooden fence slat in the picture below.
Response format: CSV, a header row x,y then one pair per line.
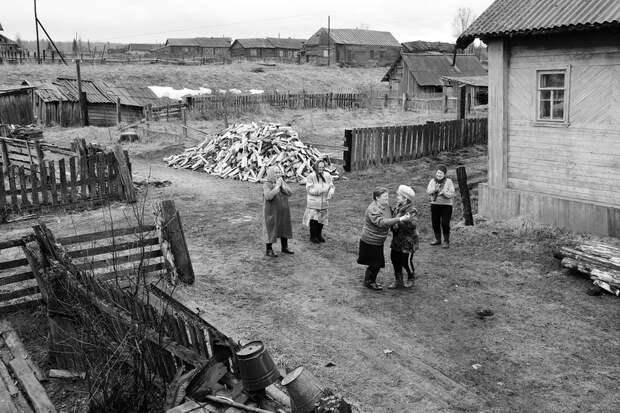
x,y
52,180
106,249
100,170
34,179
7,265
73,179
44,183
15,278
63,182
124,259
24,292
94,236
2,193
23,188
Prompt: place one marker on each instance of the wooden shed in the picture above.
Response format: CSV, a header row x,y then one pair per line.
x,y
419,74
7,45
351,47
465,93
554,112
16,105
206,47
57,103
142,49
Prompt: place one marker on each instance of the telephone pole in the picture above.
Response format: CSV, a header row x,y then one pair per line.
x,y
36,25
329,48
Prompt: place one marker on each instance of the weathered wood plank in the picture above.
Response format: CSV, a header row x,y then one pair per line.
x,y
44,183
24,292
73,179
52,180
94,236
105,249
22,187
33,389
15,278
120,274
6,265
64,193
125,259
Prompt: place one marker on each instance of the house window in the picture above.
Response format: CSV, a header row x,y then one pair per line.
x,y
552,96
281,53
253,52
325,53
372,54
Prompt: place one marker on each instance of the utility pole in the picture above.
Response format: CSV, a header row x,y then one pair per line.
x,y
329,48
82,96
36,25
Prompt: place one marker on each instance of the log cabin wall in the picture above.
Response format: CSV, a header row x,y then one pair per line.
x,y
16,107
558,173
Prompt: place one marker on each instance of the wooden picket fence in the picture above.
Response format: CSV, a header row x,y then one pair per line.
x,y
90,178
368,147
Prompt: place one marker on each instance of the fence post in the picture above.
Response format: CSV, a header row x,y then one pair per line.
x,y
5,156
118,111
385,101
461,176
125,174
348,143
404,102
184,120
174,235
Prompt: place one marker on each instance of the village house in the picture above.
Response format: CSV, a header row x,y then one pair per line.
x,y
352,47
465,94
7,45
206,47
142,49
419,74
554,112
268,48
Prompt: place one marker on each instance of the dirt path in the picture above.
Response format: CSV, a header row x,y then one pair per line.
x,y
401,351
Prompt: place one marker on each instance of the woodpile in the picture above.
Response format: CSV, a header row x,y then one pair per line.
x,y
27,132
246,151
599,261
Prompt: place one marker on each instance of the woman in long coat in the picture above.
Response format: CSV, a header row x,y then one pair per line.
x,y
276,211
320,189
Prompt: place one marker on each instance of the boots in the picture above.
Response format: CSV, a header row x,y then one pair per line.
x,y
410,280
319,230
370,280
437,239
284,244
446,241
314,229
398,281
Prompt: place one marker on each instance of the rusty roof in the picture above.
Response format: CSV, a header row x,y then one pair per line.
x,y
70,89
508,18
427,69
356,37
421,46
480,81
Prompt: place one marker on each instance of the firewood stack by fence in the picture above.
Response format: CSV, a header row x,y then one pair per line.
x,y
601,262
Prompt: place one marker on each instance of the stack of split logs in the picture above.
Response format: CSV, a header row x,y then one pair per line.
x,y
27,132
246,151
600,262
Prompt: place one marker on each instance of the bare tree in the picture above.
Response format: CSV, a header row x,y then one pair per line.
x,y
463,18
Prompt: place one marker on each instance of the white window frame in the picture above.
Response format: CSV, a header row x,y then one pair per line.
x,y
564,121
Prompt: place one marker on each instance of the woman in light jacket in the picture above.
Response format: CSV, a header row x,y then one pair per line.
x,y
276,211
441,191
377,222
320,189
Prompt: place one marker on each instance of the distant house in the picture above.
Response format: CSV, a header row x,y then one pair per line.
x,y
352,47
209,47
554,112
466,91
57,102
142,48
268,48
420,74
421,46
7,45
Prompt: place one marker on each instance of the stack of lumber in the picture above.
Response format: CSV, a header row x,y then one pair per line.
x,y
28,132
599,261
246,151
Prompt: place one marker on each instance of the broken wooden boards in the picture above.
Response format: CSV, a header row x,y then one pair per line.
x,y
245,151
17,371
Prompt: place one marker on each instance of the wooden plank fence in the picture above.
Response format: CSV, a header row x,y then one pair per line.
x,y
368,147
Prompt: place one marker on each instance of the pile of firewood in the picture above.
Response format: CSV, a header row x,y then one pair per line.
x,y
600,262
246,151
26,132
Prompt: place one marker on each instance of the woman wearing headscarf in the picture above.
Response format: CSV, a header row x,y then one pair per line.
x,y
377,222
405,238
277,212
441,191
320,189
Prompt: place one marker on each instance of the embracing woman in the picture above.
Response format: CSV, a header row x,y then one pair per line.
x,y
320,189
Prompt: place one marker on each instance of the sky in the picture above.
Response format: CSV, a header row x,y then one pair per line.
x,y
152,21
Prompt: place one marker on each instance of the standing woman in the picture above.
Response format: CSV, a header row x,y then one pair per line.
x,y
277,212
320,189
441,191
377,222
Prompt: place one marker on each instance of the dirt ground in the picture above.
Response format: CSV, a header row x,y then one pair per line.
x,y
548,347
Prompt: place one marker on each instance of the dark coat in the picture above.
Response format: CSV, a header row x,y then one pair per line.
x,y
277,212
405,235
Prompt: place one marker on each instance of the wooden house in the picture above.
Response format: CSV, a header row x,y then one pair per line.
x,y
419,74
465,94
554,112
422,46
57,103
268,48
7,45
142,49
206,47
351,47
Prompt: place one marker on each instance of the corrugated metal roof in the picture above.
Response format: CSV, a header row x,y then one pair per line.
x,y
181,42
427,69
131,95
280,43
255,43
421,46
49,92
356,37
70,89
481,81
506,18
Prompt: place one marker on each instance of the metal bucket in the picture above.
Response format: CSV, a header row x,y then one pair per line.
x,y
256,367
304,390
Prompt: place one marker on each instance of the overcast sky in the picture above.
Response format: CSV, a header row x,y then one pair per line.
x,y
152,21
